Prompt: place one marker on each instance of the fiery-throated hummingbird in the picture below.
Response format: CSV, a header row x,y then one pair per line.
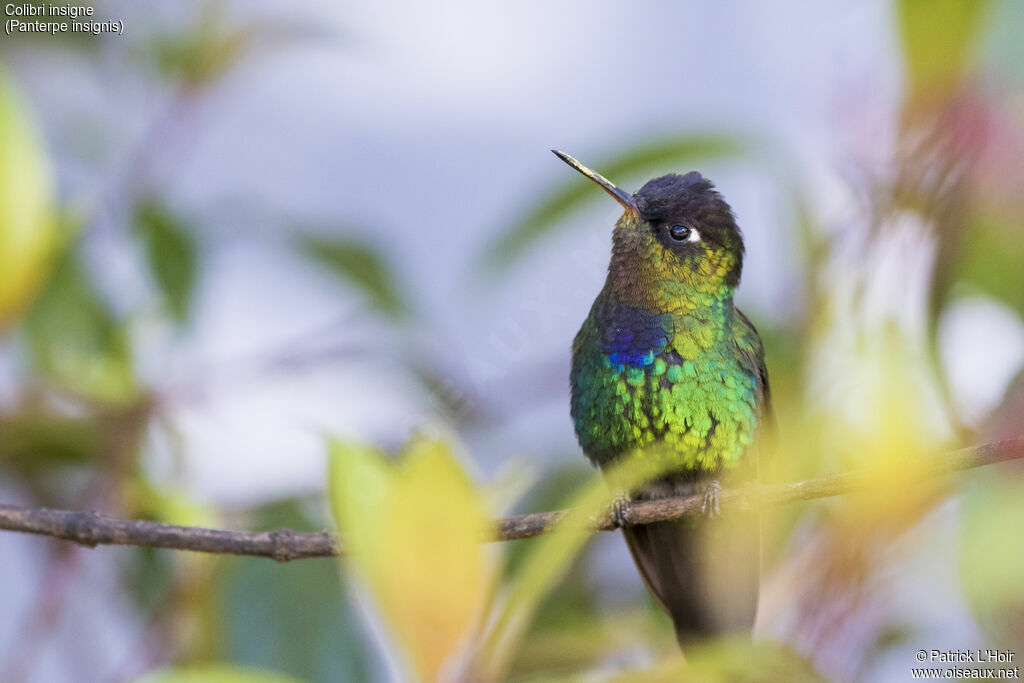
x,y
666,367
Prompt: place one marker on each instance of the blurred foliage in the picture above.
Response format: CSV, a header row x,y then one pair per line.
x,y
28,232
172,254
730,661
990,258
569,631
550,211
75,339
32,438
172,505
550,558
362,266
414,529
265,606
991,556
203,53
415,532
1004,49
558,483
938,38
216,40
216,673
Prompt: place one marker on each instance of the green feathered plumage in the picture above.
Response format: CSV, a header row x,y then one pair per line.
x,y
665,366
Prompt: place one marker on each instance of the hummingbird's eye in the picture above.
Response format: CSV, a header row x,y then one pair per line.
x,y
681,233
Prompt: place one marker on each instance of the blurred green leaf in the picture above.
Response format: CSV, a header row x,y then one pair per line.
x,y
28,231
991,556
147,577
361,265
75,339
216,673
732,661
550,493
937,38
989,258
39,439
172,505
545,563
549,559
265,604
567,626
200,55
547,214
582,644
171,253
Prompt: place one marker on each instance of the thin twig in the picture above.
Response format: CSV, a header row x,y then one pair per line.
x,y
92,529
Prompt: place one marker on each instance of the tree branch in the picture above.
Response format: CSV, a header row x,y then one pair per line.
x,y
92,529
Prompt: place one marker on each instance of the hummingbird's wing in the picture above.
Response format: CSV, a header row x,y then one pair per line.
x,y
751,351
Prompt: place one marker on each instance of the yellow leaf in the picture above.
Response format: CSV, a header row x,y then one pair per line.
x,y
415,532
27,225
937,37
360,482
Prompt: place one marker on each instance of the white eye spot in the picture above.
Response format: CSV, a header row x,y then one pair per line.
x,y
694,236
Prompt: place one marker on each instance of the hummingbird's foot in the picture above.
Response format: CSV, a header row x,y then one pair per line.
x,y
618,512
620,509
710,505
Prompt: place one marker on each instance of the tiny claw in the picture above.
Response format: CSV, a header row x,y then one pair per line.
x,y
710,505
620,510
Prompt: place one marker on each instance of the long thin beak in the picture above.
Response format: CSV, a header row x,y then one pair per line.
x,y
619,195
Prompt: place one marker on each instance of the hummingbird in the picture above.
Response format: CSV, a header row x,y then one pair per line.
x,y
666,365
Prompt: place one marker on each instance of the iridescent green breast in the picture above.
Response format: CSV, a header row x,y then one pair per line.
x,y
689,383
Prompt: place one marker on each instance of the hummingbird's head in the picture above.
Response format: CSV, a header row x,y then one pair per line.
x,y
691,226
675,229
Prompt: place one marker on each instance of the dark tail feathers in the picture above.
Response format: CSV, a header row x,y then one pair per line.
x,y
704,574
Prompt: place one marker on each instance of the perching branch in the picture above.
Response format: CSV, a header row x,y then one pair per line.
x,y
92,529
